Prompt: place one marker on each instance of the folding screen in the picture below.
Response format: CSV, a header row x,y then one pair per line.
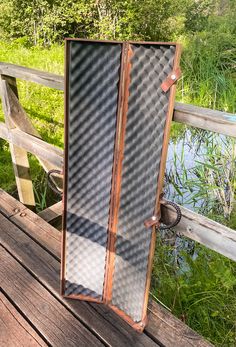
x,y
118,106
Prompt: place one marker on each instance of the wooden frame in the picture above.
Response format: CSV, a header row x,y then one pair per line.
x,y
157,211
65,169
122,110
63,244
116,177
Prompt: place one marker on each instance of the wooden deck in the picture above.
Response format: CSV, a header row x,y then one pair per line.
x,y
32,312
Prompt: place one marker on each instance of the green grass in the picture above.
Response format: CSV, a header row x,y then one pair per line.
x,y
43,105
209,70
198,285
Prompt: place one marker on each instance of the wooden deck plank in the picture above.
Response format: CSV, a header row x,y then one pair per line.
x,y
54,322
30,222
165,328
15,331
53,215
101,320
10,206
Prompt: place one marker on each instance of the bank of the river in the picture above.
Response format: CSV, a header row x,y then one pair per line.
x,y
197,284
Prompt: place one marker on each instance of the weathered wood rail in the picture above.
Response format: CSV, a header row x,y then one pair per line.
x,y
199,117
23,138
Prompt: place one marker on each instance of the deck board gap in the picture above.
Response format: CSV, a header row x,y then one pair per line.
x,y
23,315
53,294
32,238
60,305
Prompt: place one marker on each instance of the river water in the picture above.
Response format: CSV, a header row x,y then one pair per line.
x,y
200,171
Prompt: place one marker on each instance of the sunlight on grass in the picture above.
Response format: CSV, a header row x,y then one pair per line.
x,y
198,285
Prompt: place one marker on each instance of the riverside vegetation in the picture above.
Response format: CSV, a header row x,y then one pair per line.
x,y
196,284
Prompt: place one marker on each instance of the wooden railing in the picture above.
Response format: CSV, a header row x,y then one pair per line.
x,y
23,137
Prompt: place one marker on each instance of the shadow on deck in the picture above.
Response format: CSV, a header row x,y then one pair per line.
x,y
32,312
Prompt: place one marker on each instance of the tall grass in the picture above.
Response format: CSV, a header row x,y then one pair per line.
x,y
196,284
208,63
44,107
199,286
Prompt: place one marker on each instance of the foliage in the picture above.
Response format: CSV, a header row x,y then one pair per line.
x,y
198,285
202,174
45,108
7,178
197,15
47,21
208,63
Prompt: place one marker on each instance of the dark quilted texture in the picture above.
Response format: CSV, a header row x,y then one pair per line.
x,y
93,93
146,119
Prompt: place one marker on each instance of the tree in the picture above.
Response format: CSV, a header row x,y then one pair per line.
x,y
48,21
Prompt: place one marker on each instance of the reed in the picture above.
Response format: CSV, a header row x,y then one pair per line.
x,y
198,285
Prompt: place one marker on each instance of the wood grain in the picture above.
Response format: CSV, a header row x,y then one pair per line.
x,y
171,332
15,331
100,319
45,78
52,212
46,268
54,322
9,206
203,230
19,156
31,223
32,145
39,230
53,215
203,118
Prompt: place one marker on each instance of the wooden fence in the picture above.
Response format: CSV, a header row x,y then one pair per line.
x,y
23,137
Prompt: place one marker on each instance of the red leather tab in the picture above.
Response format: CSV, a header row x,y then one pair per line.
x,y
151,222
171,79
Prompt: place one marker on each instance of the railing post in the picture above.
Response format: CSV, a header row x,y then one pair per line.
x,y
21,120
19,155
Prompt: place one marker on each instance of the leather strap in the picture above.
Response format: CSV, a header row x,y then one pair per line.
x,y
171,79
151,222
